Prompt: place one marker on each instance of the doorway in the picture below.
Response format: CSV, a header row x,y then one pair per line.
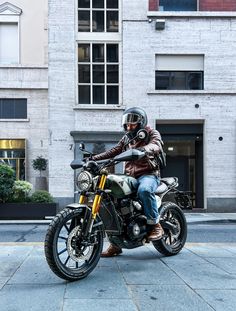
x,y
183,144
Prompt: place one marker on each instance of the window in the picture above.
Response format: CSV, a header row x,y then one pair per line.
x,y
179,80
179,5
98,73
12,152
9,46
13,108
98,15
179,72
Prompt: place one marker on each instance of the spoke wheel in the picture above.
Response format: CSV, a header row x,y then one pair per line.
x,y
173,239
69,255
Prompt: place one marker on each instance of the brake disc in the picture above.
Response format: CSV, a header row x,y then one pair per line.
x,y
77,252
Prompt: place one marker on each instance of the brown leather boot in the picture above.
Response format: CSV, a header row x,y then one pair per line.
x,y
112,251
156,233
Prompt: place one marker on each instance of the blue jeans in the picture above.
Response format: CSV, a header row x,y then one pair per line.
x,y
147,185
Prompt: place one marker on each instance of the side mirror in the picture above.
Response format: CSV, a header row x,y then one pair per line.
x,y
81,146
142,134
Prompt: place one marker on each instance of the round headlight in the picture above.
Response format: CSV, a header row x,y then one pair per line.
x,y
84,181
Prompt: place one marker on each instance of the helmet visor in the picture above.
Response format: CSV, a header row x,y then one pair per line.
x,y
131,118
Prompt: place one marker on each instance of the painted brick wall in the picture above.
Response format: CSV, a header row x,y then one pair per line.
x,y
217,5
216,39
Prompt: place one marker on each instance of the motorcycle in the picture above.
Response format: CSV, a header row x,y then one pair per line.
x,y
108,205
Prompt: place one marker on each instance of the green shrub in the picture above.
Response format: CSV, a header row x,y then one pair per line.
x,y
41,196
21,190
39,164
7,178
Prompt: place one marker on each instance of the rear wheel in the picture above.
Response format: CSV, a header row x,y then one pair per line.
x,y
69,255
174,224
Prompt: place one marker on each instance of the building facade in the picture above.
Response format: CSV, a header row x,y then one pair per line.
x,y
175,59
23,84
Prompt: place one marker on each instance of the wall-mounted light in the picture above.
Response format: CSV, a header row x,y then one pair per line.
x,y
160,24
170,148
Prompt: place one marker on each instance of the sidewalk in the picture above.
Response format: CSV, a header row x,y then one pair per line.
x,y
201,277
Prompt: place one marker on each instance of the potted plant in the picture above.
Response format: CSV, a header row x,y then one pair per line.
x,y
40,164
16,201
7,178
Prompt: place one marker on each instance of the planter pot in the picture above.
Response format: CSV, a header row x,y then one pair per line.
x,y
27,210
41,183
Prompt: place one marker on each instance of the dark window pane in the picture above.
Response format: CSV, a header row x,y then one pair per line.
x,y
20,109
83,21
22,169
13,108
8,109
162,80
98,53
112,21
98,73
84,73
112,95
83,3
98,95
112,4
98,4
84,53
98,21
180,5
177,80
84,94
112,53
195,81
112,74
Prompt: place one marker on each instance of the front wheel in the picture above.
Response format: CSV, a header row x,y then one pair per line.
x,y
174,224
69,255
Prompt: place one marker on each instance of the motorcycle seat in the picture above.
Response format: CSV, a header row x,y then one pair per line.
x,y
161,188
166,183
169,181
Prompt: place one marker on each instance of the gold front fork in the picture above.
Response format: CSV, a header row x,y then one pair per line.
x,y
98,196
82,199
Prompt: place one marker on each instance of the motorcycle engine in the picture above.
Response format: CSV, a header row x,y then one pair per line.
x,y
135,222
137,227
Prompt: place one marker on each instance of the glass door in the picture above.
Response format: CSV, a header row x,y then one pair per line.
x,y
12,152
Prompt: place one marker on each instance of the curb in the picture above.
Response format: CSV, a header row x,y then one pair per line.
x,y
212,221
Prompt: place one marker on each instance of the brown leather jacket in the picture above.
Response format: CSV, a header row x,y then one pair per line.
x,y
145,166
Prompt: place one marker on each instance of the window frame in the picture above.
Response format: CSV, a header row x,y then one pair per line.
x,y
91,10
104,63
10,13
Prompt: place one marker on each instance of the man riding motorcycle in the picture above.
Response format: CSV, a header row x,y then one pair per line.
x,y
145,170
